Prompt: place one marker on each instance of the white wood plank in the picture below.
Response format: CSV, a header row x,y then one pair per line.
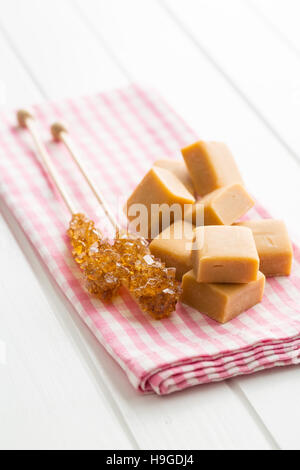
x,y
207,417
50,36
172,417
281,386
282,17
16,88
275,395
255,61
49,395
198,92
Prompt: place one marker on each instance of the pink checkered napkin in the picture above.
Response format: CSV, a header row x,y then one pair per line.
x,y
120,134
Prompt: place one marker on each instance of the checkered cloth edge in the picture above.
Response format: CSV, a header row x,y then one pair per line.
x,y
120,134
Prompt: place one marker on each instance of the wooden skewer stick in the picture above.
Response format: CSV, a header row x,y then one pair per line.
x,y
26,120
61,134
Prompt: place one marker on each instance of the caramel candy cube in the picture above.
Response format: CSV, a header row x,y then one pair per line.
x,y
158,187
221,302
273,246
224,205
211,166
222,253
179,169
173,247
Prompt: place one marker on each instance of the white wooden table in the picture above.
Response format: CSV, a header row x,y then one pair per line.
x,y
232,70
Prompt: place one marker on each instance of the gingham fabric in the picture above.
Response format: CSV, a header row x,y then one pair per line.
x,y
119,135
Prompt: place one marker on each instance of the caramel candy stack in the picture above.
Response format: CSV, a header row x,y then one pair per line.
x,y
225,280
222,262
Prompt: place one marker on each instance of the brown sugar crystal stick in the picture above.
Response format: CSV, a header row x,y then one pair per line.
x,y
149,281
93,253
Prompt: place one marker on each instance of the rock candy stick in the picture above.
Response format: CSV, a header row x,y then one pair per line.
x,y
153,286
150,282
94,254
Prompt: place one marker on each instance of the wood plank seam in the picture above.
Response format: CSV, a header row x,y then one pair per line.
x,y
110,52
272,27
233,384
10,43
181,25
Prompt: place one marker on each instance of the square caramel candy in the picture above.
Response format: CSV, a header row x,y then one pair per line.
x,y
223,206
211,166
179,169
157,202
273,246
221,302
226,254
173,247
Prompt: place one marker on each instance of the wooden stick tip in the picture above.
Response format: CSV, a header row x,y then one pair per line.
x,y
56,129
22,116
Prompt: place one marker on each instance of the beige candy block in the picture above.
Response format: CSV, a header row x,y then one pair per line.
x,y
173,247
273,246
211,166
179,169
225,254
223,206
221,302
159,186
